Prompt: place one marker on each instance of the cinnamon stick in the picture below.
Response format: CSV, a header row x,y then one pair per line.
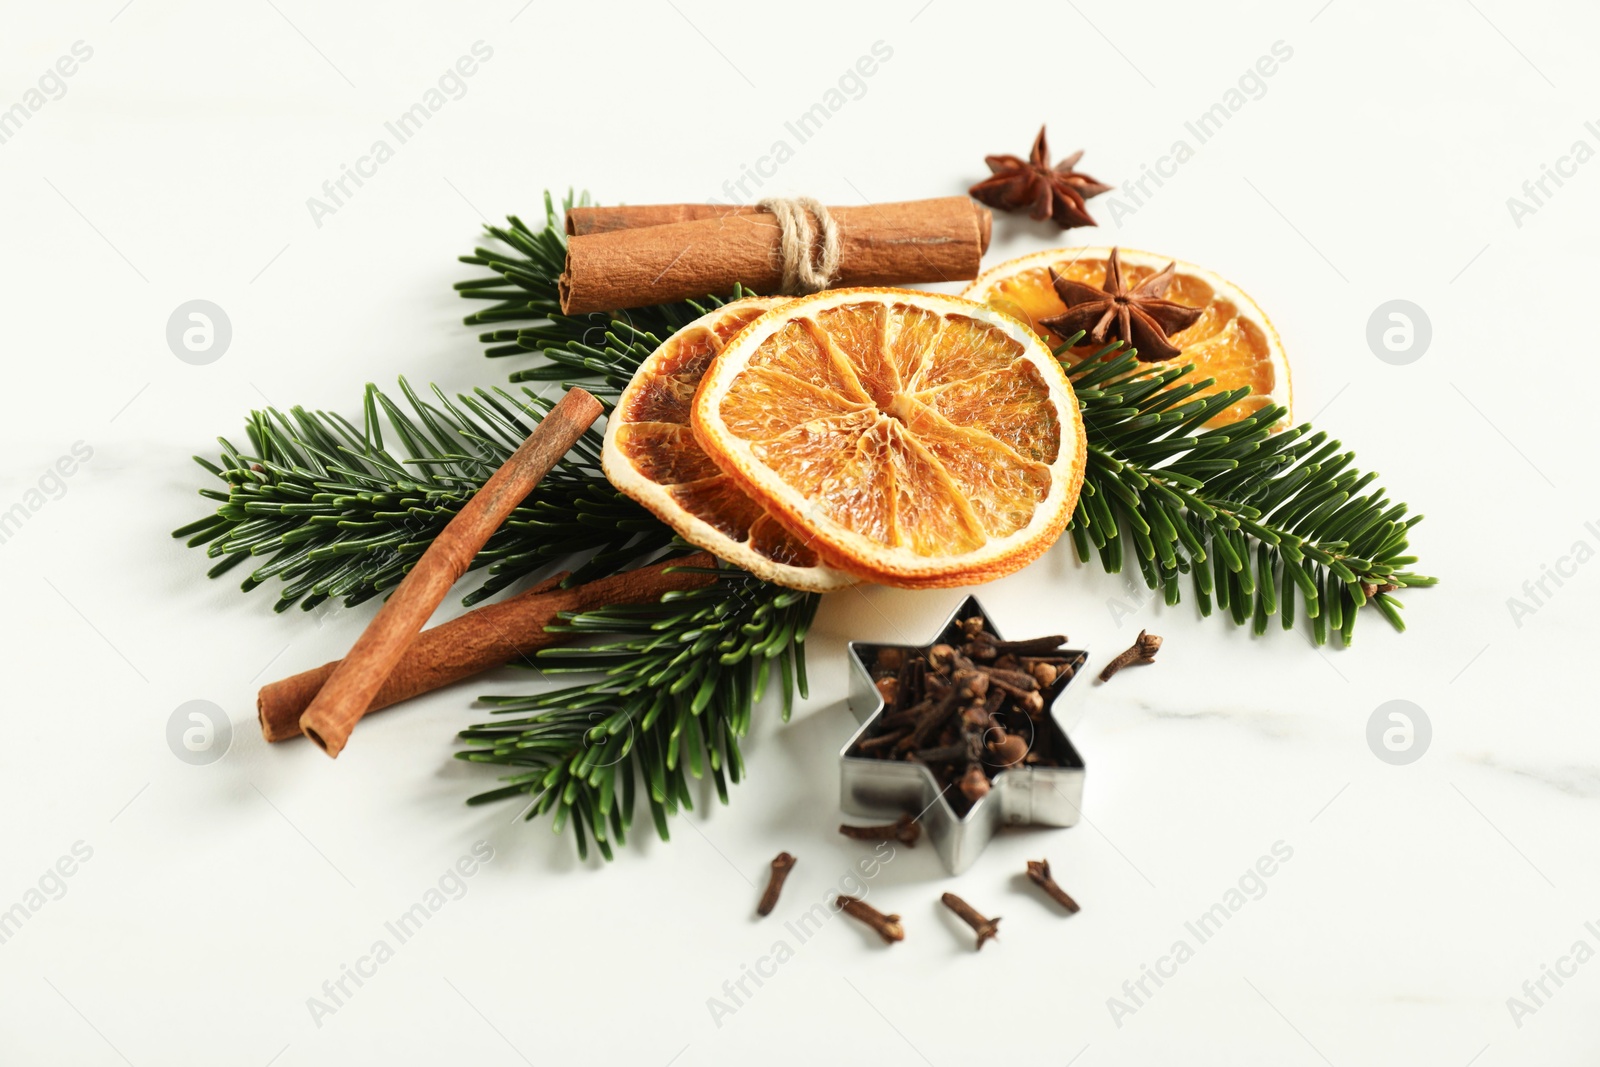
x,y
634,255
609,218
587,220
349,690
480,640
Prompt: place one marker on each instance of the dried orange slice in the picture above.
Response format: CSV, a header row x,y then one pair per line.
x,y
915,439
651,455
1234,342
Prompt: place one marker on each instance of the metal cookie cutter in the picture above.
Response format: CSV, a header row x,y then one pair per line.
x,y
882,788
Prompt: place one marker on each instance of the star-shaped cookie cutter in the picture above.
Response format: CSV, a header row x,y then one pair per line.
x,y
1021,795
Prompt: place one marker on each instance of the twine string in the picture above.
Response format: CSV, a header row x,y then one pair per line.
x,y
807,267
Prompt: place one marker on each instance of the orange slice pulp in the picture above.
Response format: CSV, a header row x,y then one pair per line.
x,y
911,438
1233,342
651,455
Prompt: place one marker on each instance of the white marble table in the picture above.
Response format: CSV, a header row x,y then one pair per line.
x,y
206,906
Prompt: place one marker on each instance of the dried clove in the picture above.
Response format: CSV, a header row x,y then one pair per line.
x,y
1008,749
984,928
905,830
1032,704
979,716
988,646
782,864
872,744
886,926
1039,873
1143,650
974,784
889,689
906,716
1020,681
1044,671
959,752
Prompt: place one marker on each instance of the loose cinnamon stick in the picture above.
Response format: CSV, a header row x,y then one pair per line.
x,y
349,690
630,256
483,638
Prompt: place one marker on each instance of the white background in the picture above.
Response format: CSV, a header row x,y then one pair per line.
x,y
1376,166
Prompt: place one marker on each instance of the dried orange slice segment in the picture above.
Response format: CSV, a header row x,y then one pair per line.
x,y
651,455
1234,342
914,439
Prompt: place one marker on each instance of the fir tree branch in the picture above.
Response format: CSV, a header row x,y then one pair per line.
x,y
676,684
330,511
1258,520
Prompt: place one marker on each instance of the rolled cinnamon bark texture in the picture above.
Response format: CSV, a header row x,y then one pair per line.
x,y
621,257
482,639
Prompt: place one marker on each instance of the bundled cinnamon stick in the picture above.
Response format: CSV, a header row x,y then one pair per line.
x,y
620,257
587,220
349,690
482,639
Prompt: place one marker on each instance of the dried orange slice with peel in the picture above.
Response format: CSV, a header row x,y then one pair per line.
x,y
914,439
1233,342
651,455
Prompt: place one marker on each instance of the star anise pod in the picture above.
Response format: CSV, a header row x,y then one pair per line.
x,y
1055,192
1138,316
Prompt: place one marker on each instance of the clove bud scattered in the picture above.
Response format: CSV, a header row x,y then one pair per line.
x,y
782,864
984,928
1039,873
1143,650
886,926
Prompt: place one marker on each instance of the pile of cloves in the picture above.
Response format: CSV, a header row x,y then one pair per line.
x,y
969,709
